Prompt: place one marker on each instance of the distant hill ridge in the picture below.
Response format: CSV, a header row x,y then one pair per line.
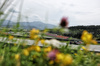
x,y
29,25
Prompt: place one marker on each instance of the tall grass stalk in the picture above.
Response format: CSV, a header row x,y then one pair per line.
x,y
19,15
3,9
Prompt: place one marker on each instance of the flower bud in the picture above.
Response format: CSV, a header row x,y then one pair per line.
x,y
64,22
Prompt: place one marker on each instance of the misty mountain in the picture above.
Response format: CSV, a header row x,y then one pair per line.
x,y
29,25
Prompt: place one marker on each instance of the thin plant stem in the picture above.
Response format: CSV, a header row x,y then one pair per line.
x,y
19,15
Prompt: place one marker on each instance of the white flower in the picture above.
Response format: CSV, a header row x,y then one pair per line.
x,y
47,41
53,42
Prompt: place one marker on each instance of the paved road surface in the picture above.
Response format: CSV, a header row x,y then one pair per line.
x,y
95,48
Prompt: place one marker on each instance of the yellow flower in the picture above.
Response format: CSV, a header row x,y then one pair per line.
x,y
59,57
51,62
37,31
33,31
84,48
32,47
75,53
17,56
67,59
94,42
85,32
48,49
33,34
37,48
11,37
87,37
25,52
42,41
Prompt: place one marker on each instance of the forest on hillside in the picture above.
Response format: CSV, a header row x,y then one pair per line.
x,y
76,31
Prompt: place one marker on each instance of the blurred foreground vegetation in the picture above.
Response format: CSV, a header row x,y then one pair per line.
x,y
52,53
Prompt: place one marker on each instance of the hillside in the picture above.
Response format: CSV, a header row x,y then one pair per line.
x,y
29,25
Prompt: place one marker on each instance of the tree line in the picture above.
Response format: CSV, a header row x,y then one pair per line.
x,y
76,31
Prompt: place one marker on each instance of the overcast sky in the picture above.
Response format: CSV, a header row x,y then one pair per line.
x,y
79,12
